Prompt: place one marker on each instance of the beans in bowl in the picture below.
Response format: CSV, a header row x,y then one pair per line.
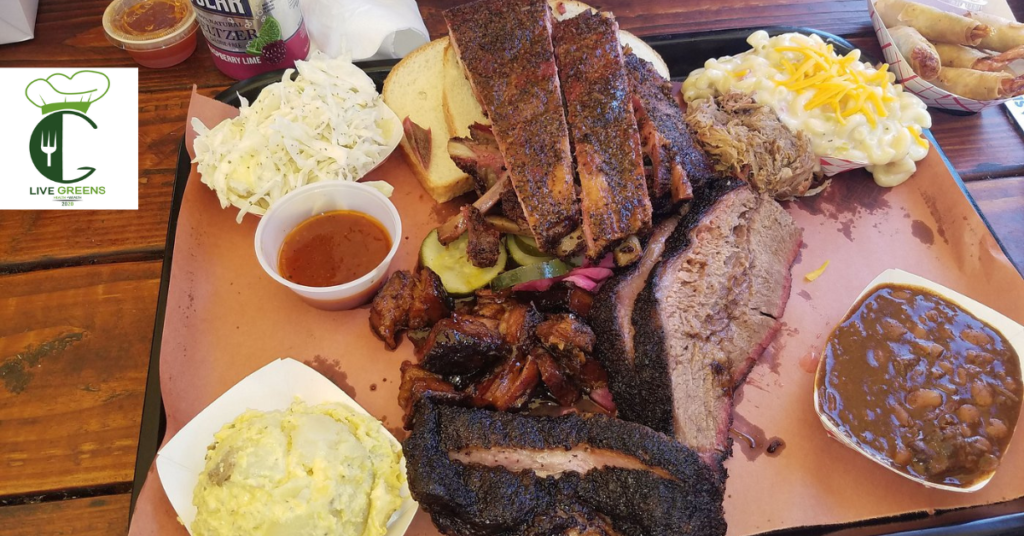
x,y
922,385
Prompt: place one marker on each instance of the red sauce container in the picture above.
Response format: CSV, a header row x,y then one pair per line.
x,y
155,33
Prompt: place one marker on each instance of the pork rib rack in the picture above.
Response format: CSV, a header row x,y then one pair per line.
x,y
505,48
705,313
613,191
480,473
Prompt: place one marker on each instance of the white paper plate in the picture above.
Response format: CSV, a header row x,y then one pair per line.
x,y
1013,332
273,387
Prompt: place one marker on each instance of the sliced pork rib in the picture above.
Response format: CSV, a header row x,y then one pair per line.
x,y
677,162
613,191
505,47
706,313
478,472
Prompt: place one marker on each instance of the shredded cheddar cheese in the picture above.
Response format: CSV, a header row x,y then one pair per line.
x,y
817,273
847,91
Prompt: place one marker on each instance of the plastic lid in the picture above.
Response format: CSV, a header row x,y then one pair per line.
x,y
114,25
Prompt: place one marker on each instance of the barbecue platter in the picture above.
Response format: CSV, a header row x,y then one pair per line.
x,y
611,255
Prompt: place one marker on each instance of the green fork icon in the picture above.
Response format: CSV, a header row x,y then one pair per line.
x,y
48,144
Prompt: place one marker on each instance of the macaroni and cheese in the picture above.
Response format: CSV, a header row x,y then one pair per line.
x,y
848,109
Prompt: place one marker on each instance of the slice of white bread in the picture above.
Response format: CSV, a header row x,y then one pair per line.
x,y
414,89
461,109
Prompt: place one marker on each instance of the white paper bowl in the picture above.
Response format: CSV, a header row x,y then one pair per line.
x,y
314,199
1013,332
931,94
273,387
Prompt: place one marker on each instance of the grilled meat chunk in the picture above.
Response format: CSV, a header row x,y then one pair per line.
x,y
430,300
562,297
389,313
750,142
418,383
484,244
481,473
407,300
559,384
460,346
478,156
510,385
613,195
519,324
505,48
706,313
566,333
677,162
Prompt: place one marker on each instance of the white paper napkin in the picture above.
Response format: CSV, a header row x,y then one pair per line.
x,y
18,20
365,29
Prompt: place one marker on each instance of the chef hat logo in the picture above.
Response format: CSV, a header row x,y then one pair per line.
x,y
61,92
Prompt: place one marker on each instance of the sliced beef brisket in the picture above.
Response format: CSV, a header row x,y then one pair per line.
x,y
708,310
479,472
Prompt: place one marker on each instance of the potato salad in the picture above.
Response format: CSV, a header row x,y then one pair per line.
x,y
849,109
314,470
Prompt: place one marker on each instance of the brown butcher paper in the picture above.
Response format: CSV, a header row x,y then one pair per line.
x,y
226,318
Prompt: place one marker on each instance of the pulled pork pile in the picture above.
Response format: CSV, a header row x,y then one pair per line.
x,y
747,140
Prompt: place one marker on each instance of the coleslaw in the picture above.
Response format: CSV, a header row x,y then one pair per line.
x,y
329,123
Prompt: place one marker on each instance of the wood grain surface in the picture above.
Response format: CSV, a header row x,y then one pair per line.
x,y
94,516
78,289
74,347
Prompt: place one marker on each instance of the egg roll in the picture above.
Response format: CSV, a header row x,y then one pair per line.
x,y
918,52
934,24
1006,34
972,58
979,85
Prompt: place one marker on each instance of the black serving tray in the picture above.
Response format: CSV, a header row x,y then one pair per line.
x,y
683,53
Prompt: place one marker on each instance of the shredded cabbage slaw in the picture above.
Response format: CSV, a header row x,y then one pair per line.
x,y
327,124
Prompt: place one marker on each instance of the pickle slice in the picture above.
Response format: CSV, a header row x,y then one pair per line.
x,y
524,251
533,272
452,265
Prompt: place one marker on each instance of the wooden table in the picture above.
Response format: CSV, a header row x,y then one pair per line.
x,y
78,290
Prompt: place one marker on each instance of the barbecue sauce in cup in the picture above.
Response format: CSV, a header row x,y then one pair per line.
x,y
333,248
922,385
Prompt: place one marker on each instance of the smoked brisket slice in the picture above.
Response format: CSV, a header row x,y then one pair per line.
x,y
606,142
677,161
708,310
505,48
478,472
612,319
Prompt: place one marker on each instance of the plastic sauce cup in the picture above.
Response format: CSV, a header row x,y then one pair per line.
x,y
158,47
314,199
